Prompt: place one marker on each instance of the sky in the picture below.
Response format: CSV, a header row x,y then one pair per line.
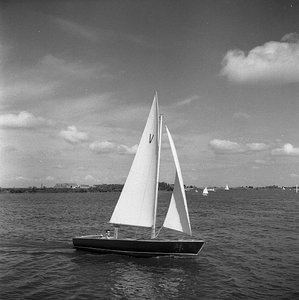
x,y
77,80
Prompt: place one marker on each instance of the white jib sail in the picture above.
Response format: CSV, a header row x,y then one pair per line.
x,y
177,217
136,203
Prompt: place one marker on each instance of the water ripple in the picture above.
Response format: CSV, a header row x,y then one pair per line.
x,y
251,249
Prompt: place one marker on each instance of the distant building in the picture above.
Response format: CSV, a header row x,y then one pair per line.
x,y
66,185
84,186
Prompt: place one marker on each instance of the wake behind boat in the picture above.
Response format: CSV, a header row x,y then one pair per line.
x,y
137,204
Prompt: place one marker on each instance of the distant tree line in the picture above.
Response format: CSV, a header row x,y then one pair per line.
x,y
104,188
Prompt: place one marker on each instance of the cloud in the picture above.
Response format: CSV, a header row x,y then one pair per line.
x,y
100,35
109,147
127,150
22,120
76,30
260,161
294,175
9,148
257,146
54,66
102,147
271,62
25,88
21,178
228,147
73,136
241,115
49,77
286,150
187,101
267,161
59,167
291,38
225,147
89,178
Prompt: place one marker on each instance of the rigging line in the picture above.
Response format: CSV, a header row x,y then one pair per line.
x,y
158,232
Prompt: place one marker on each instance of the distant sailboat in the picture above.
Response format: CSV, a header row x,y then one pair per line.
x,y
205,192
226,188
137,204
296,188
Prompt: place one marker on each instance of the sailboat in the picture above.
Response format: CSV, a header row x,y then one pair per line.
x,y
205,192
296,188
226,188
137,204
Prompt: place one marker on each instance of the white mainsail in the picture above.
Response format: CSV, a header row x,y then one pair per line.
x,y
177,217
136,204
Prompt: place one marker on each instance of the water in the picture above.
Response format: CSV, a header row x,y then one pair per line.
x,y
251,251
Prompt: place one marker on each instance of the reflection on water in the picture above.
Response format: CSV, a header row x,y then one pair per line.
x,y
140,278
155,278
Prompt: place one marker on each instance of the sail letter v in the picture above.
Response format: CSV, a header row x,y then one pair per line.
x,y
151,136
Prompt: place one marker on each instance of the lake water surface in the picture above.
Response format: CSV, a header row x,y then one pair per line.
x,y
251,251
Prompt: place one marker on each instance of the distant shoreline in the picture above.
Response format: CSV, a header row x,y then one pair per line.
x,y
118,188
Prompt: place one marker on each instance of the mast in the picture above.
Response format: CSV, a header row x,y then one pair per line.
x,y
153,235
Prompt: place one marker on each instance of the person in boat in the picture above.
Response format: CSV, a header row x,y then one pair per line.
x,y
108,234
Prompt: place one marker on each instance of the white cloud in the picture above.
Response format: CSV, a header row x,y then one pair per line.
x,y
88,178
73,136
271,62
241,115
31,88
286,150
102,147
294,175
76,30
108,147
50,76
127,150
225,147
54,66
9,148
22,120
260,161
257,146
267,161
228,147
99,35
21,178
187,101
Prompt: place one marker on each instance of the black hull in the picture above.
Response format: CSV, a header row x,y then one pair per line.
x,y
139,248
